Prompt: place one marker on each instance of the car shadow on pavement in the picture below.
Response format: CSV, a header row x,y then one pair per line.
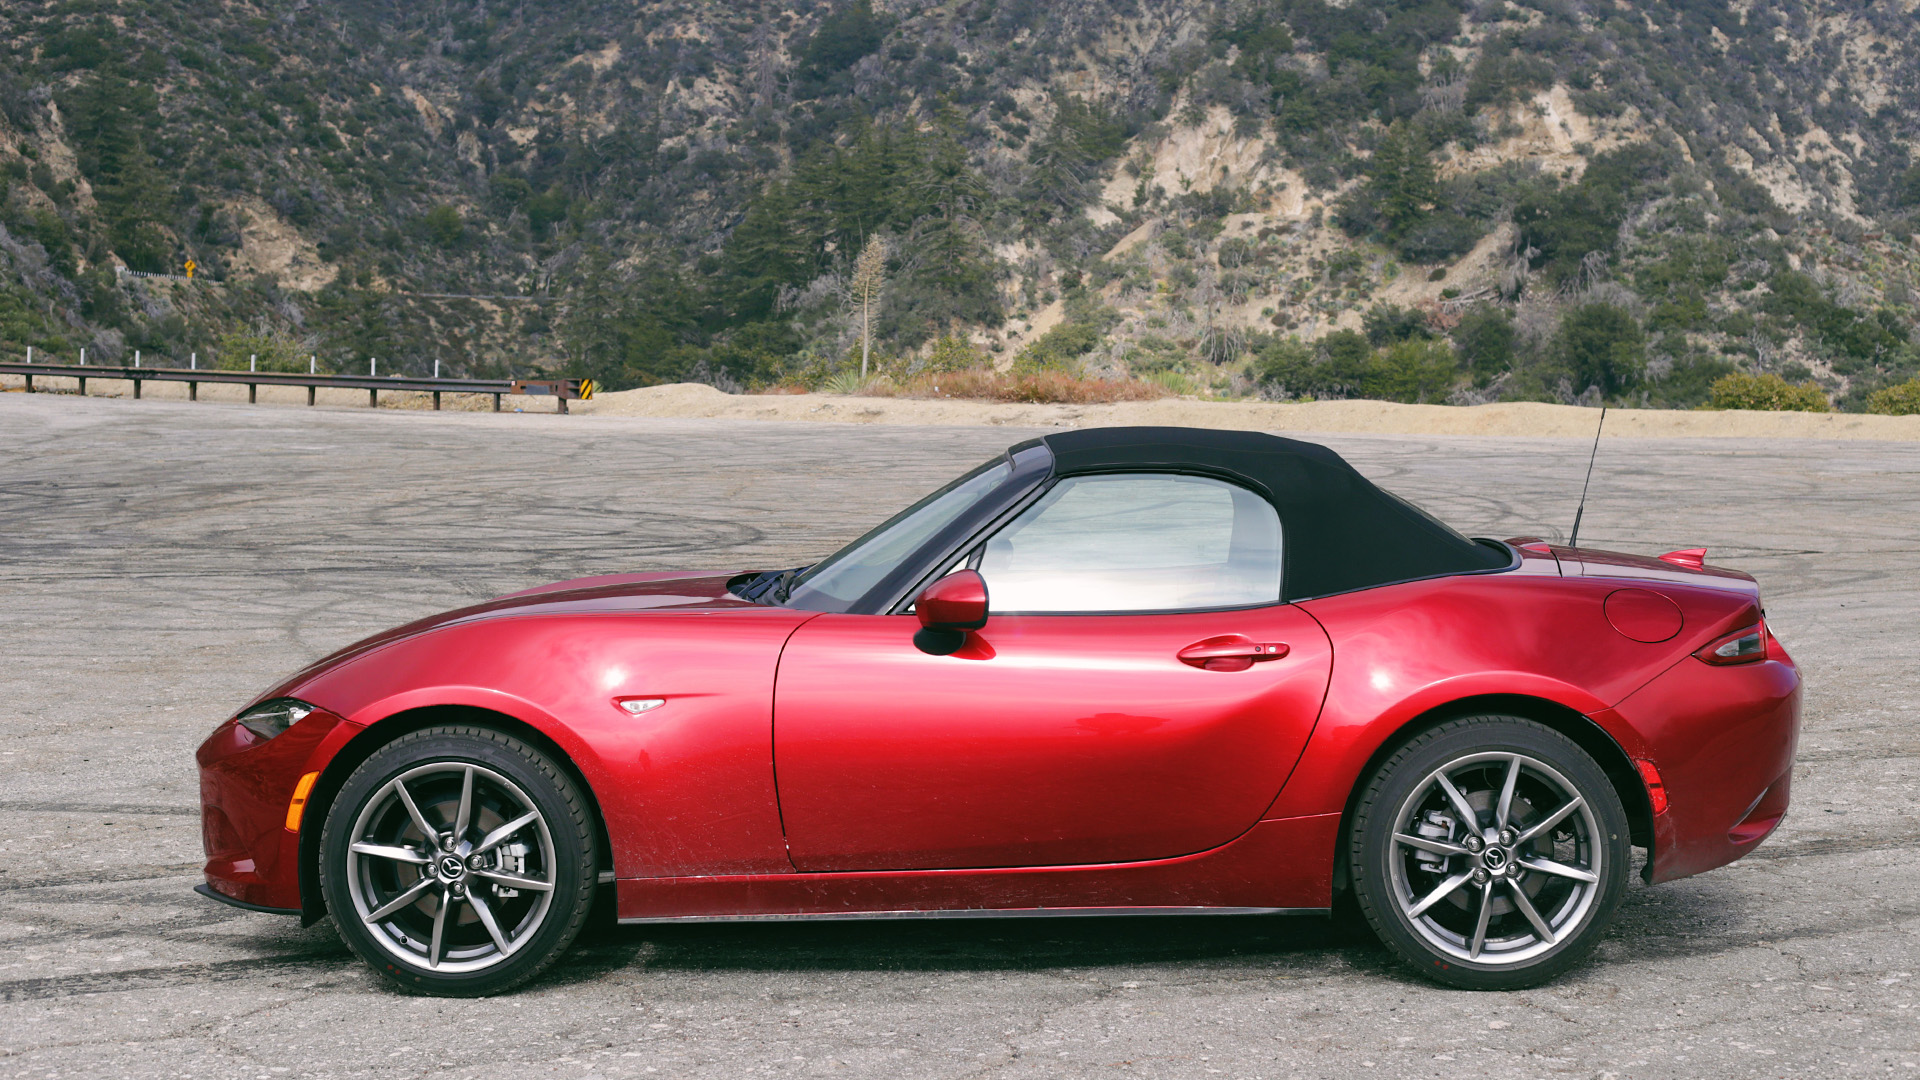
x,y
989,944
1692,919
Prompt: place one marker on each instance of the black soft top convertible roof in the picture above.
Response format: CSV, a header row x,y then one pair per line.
x,y
1341,532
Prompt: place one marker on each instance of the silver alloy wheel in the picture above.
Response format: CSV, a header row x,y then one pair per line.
x,y
1495,858
451,867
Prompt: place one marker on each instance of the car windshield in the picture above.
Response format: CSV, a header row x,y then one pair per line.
x,y
835,583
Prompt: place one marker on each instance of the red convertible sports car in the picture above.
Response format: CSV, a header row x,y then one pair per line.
x,y
1118,671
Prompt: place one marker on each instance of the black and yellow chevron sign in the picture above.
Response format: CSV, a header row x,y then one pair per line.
x,y
586,389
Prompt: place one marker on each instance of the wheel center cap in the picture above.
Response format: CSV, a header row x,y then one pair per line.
x,y
1495,858
451,868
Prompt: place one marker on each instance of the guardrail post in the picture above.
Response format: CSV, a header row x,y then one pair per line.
x,y
310,391
373,398
436,401
496,403
252,394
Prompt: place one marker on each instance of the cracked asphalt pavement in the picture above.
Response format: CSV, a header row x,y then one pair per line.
x,y
160,562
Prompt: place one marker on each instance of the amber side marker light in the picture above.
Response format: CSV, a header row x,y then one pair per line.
x,y
1740,647
299,804
1656,790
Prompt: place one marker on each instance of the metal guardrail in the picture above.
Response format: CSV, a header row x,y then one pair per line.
x,y
564,390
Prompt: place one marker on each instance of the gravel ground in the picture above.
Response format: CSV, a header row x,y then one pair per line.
x,y
160,561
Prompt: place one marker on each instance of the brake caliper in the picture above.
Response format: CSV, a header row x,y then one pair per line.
x,y
1436,825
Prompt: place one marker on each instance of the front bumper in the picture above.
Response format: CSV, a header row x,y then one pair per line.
x,y
1723,740
246,784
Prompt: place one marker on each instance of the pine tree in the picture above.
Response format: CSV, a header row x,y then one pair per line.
x,y
1402,180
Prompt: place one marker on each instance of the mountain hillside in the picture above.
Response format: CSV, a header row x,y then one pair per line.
x,y
1438,200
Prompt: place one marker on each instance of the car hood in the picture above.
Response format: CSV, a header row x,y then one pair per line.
x,y
610,594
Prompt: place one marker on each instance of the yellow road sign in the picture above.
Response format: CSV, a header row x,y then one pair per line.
x,y
586,389
190,268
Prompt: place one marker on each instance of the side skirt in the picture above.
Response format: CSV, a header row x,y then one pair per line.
x,y
975,913
1279,865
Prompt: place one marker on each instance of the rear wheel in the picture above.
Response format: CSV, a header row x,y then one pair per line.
x,y
458,861
1490,852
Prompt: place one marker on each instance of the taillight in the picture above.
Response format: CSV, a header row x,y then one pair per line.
x,y
1740,647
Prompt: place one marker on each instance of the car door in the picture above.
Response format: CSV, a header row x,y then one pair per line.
x,y
1137,693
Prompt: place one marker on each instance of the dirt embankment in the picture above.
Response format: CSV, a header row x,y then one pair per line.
x,y
1375,417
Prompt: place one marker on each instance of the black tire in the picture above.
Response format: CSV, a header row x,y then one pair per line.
x,y
1449,940
483,895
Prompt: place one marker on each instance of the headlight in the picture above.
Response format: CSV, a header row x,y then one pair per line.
x,y
270,718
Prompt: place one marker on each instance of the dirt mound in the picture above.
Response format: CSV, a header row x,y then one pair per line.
x,y
1375,417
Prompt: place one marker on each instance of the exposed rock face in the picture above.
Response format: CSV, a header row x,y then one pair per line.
x,y
1168,181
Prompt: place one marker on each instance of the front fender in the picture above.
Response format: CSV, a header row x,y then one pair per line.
x,y
684,789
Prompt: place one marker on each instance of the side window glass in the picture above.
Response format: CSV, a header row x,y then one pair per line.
x,y
1136,542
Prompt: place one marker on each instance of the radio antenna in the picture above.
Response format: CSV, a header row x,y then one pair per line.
x,y
1573,541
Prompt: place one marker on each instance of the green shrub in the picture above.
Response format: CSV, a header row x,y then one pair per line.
x,y
1603,346
1442,237
1058,347
953,353
1344,365
1153,354
1484,339
1411,371
1388,323
270,348
443,225
1766,393
1901,400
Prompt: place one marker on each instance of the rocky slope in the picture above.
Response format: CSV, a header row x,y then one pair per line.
x,y
1439,200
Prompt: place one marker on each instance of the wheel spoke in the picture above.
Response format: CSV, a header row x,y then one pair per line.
x,y
1468,819
1525,904
481,909
461,819
1505,811
1551,820
1548,866
410,896
388,851
1438,847
413,811
1480,925
439,930
494,838
515,881
1441,892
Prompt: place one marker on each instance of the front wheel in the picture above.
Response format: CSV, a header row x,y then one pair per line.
x,y
1490,853
458,861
